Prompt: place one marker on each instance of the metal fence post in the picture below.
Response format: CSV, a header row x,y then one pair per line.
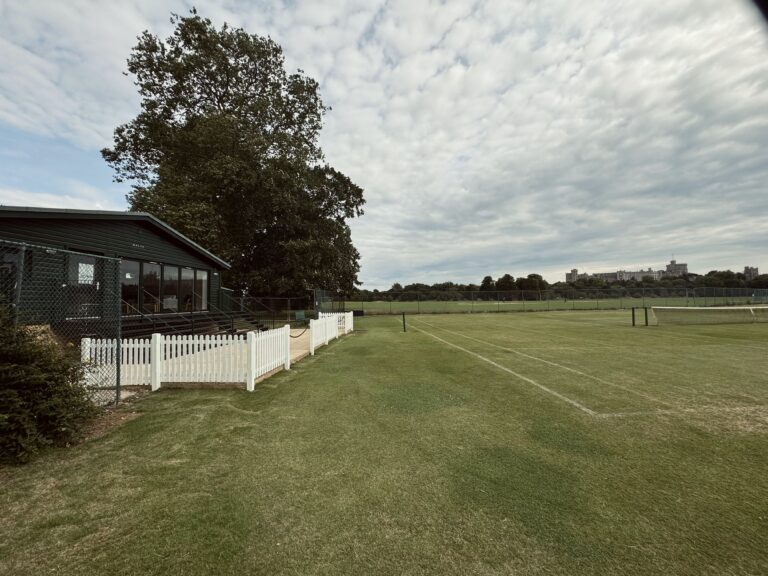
x,y
19,281
156,361
250,342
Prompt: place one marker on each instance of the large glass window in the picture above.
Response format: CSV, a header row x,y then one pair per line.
x,y
150,288
186,290
170,289
201,290
129,286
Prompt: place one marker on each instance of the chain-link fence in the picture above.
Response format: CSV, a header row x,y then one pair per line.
x,y
608,298
328,301
67,297
270,311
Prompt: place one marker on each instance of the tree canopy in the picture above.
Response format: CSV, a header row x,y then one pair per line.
x,y
225,149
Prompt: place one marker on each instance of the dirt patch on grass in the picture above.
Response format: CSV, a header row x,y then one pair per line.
x,y
114,416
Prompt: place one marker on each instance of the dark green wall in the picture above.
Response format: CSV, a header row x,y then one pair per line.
x,y
134,240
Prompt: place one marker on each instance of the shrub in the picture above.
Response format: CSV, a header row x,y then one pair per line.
x,y
42,400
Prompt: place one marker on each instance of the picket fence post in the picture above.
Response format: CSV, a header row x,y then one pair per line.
x,y
327,335
156,359
85,350
251,372
312,337
287,330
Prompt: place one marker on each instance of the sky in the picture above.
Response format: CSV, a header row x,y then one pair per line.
x,y
490,137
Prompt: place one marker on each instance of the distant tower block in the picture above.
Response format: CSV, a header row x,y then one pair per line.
x,y
674,269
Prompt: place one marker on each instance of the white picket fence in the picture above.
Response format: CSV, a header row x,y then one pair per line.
x,y
327,327
210,359
345,320
215,359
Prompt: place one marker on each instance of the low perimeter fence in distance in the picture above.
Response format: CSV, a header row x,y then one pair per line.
x,y
437,302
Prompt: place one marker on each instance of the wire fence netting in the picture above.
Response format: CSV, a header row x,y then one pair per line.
x,y
66,297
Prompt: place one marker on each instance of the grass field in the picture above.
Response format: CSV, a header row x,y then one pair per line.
x,y
552,443
480,306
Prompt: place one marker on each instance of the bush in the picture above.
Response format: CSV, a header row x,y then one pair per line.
x,y
42,400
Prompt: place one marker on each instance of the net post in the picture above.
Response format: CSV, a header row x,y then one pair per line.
x,y
633,315
646,315
404,322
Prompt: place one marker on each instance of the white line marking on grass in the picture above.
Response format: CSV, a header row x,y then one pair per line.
x,y
639,413
515,374
556,365
675,411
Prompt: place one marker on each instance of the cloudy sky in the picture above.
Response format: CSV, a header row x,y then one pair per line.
x,y
490,137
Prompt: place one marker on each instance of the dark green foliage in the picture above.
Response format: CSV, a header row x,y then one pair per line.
x,y
506,282
487,284
42,402
532,282
225,150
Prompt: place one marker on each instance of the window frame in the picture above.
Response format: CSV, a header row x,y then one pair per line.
x,y
139,309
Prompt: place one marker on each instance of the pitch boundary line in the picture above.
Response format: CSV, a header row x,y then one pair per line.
x,y
603,415
515,374
555,364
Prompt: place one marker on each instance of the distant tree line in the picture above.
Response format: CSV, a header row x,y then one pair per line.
x,y
444,291
532,283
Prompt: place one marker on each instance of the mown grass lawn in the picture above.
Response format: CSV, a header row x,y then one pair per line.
x,y
393,453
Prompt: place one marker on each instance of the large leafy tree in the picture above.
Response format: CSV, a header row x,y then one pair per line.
x,y
487,284
225,149
506,283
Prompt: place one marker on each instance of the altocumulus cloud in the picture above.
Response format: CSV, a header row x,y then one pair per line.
x,y
490,137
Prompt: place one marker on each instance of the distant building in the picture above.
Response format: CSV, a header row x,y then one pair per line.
x,y
751,272
674,269
606,276
639,274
